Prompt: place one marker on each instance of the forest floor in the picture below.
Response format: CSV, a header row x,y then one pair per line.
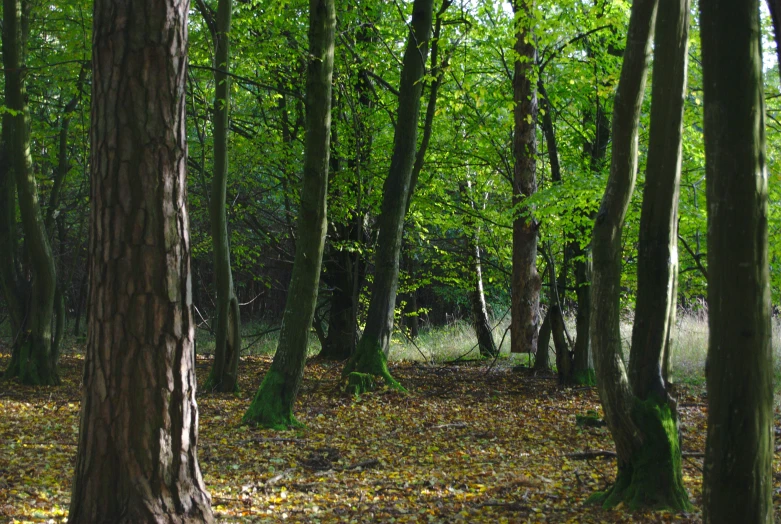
x,y
470,443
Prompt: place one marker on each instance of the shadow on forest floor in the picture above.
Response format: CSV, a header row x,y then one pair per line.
x,y
468,444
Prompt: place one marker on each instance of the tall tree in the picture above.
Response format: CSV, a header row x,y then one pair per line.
x,y
227,329
273,404
34,358
137,458
639,412
525,282
737,483
371,355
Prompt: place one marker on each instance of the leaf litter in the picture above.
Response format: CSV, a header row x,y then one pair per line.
x,y
470,443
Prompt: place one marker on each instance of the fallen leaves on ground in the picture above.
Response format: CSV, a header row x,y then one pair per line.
x,y
471,443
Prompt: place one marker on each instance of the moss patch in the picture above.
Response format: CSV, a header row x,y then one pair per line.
x,y
369,359
585,377
271,408
653,478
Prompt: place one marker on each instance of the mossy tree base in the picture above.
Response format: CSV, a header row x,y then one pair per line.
x,y
585,377
227,385
272,406
31,367
368,364
653,478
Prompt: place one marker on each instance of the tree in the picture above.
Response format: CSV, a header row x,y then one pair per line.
x,y
137,458
34,357
639,412
737,481
371,355
273,403
224,373
526,283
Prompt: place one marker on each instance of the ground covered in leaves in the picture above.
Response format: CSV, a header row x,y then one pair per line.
x,y
470,443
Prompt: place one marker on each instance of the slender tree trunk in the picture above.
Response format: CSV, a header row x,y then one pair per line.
x,y
227,323
582,372
273,404
542,357
370,358
137,459
657,266
643,423
480,320
738,475
32,360
526,283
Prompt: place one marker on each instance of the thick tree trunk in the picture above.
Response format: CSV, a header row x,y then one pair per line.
x,y
341,277
371,355
10,279
32,360
224,374
273,404
137,459
644,427
525,282
738,475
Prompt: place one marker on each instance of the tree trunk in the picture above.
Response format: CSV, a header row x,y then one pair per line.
x,y
340,275
137,459
227,322
582,372
526,283
644,428
480,320
542,357
273,404
657,256
371,355
738,480
32,360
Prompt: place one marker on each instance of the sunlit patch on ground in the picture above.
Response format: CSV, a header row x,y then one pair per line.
x,y
468,444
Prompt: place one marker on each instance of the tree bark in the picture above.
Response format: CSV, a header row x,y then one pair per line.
x,y
32,360
137,459
525,281
644,428
371,355
224,374
657,266
738,481
480,320
273,404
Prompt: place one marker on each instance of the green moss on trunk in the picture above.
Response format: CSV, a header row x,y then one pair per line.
x,y
653,477
269,408
369,360
30,364
585,377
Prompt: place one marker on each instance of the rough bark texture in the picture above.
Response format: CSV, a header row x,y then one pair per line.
x,y
371,354
273,404
657,264
32,360
224,374
737,484
137,459
525,282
